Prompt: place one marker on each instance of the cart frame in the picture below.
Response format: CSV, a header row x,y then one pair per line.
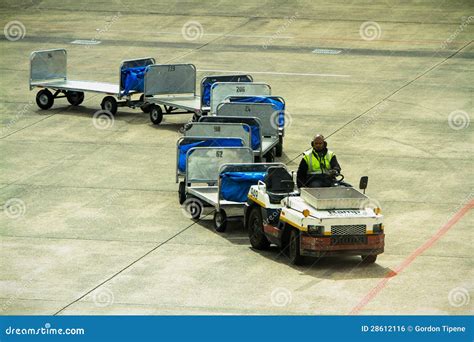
x,y
222,90
173,86
260,153
48,70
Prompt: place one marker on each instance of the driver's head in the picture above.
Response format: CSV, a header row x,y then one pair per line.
x,y
318,142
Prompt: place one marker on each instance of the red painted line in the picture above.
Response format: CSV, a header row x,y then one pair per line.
x,y
382,283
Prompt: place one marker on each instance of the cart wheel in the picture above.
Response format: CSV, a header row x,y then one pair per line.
x,y
109,103
182,192
196,117
145,107
156,114
44,99
369,259
75,97
257,237
220,221
279,147
269,157
193,207
294,247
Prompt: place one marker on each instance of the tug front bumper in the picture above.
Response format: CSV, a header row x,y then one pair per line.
x,y
371,244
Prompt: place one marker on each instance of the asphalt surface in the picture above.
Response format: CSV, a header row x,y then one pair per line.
x,y
91,222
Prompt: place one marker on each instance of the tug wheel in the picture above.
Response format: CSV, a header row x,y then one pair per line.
x,y
257,237
294,247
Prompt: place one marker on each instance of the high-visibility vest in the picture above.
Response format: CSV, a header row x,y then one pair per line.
x,y
314,165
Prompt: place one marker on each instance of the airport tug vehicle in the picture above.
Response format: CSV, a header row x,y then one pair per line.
x,y
315,222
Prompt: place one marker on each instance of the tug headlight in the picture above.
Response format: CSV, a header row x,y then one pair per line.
x,y
377,211
315,230
306,213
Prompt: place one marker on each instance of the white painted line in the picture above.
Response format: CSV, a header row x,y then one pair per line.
x,y
250,36
274,73
209,34
327,51
85,42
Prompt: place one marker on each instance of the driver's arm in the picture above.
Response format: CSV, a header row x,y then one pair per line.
x,y
334,164
302,173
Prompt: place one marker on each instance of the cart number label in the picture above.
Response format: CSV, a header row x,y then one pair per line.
x,y
254,192
247,109
217,128
219,154
240,89
171,67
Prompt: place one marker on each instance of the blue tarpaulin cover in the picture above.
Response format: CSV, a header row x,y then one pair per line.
x,y
235,185
276,104
206,93
218,142
133,79
255,136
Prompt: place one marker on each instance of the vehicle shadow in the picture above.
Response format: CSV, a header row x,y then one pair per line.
x,y
333,268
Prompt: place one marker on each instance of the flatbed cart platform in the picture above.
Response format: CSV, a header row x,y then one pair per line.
x,y
261,148
208,173
48,70
207,135
270,142
270,109
171,89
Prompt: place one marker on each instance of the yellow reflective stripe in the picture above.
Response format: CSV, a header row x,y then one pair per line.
x,y
260,203
284,219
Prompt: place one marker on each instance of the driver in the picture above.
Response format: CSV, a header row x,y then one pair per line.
x,y
319,166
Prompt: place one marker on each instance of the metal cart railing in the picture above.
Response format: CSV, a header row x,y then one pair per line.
x,y
48,70
171,89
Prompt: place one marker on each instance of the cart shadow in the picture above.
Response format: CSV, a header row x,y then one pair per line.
x,y
174,127
132,118
234,233
332,268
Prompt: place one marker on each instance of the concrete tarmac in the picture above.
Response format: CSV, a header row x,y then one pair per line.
x,y
91,222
